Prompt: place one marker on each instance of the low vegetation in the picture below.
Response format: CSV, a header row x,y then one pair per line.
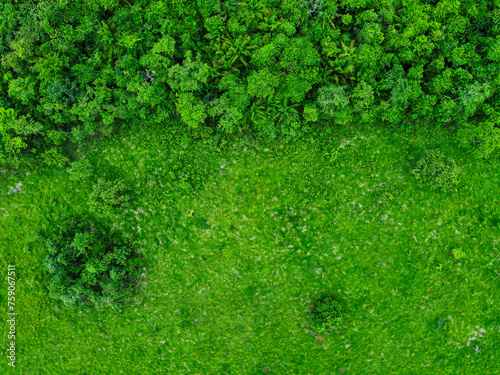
x,y
240,243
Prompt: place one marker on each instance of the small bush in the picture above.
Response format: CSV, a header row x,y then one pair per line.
x,y
107,195
326,315
202,223
88,264
437,171
458,254
80,169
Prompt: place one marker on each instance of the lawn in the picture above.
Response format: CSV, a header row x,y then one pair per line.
x,y
240,243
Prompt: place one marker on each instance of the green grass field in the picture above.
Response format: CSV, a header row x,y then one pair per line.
x,y
240,242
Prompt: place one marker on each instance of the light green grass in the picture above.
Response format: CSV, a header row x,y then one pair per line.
x,y
341,216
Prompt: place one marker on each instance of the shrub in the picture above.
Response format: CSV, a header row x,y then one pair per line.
x,y
437,171
88,264
326,315
53,157
80,169
107,195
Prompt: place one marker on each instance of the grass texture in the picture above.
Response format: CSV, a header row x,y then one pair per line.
x,y
241,242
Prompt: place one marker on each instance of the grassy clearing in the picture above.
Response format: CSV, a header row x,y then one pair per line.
x,y
240,245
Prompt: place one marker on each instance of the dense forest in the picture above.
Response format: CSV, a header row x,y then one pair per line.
x,y
267,70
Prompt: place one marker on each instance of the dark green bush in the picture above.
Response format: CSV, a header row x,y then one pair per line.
x,y
326,315
437,171
202,223
107,195
87,264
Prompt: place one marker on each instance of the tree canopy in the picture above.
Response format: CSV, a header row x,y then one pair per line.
x,y
267,68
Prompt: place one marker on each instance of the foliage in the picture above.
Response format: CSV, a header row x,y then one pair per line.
x,y
334,102
458,254
80,169
310,113
17,134
312,6
88,264
107,195
190,76
480,139
231,105
326,315
191,109
363,98
71,70
52,157
262,84
437,171
352,220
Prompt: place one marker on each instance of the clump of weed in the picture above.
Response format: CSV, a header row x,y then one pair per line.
x,y
326,315
458,254
88,263
437,171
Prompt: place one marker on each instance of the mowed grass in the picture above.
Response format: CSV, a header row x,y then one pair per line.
x,y
240,243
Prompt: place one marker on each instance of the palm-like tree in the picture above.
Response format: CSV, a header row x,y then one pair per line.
x,y
284,112
332,67
231,55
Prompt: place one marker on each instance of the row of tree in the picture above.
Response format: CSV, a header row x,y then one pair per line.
x,y
266,68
